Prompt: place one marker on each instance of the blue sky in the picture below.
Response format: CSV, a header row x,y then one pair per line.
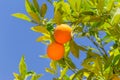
x,y
17,39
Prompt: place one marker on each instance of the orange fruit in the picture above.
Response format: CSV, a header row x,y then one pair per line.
x,y
115,77
62,33
55,51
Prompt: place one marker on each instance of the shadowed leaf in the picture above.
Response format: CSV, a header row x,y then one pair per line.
x,y
35,17
43,9
36,5
74,49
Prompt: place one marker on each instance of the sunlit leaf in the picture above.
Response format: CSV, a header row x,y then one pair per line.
x,y
50,70
116,17
100,5
78,5
16,76
43,38
92,64
66,77
44,56
64,72
115,52
110,5
22,67
28,6
86,19
43,10
67,49
75,4
53,65
36,76
21,16
40,29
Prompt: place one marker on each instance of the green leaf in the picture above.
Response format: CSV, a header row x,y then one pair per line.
x,y
64,72
100,5
43,38
77,28
74,49
36,5
93,65
69,63
58,17
40,29
86,18
108,62
75,4
116,18
78,5
36,76
35,17
61,63
66,77
30,73
116,59
17,77
22,67
50,70
28,6
43,10
91,54
21,16
67,49
78,74
44,56
53,65
110,5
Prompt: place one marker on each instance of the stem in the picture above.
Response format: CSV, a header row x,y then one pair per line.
x,y
103,49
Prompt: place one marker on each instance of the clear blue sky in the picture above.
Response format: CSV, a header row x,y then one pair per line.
x,y
17,39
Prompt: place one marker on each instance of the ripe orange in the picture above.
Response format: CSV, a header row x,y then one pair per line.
x,y
115,77
55,51
62,33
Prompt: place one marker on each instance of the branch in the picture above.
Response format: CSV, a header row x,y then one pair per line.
x,y
98,47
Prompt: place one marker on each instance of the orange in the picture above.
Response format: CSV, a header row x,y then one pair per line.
x,y
55,51
62,33
115,77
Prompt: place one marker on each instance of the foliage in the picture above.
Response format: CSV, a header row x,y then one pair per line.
x,y
24,73
88,19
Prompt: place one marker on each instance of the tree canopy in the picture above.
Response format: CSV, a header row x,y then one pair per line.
x,y
87,19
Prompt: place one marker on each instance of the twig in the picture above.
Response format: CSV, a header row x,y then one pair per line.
x,y
98,47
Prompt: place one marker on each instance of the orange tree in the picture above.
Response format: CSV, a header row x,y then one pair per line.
x,y
79,19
